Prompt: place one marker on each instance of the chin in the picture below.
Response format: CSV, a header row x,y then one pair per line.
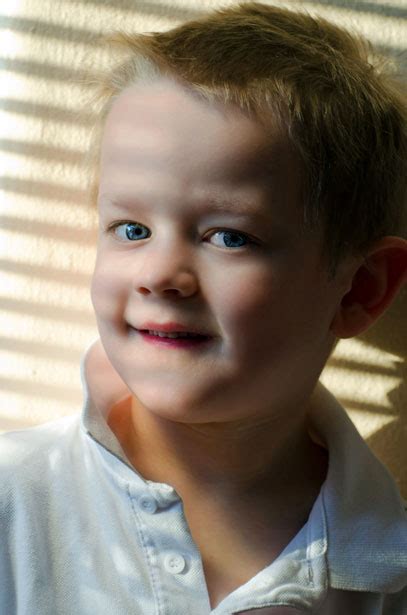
x,y
169,406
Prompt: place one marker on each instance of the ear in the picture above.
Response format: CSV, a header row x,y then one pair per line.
x,y
372,287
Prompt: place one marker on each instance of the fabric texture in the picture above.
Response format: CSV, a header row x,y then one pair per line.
x,y
82,532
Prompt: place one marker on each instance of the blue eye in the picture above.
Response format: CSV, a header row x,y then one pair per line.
x,y
131,231
232,239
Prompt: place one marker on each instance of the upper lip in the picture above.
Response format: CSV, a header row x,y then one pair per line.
x,y
171,327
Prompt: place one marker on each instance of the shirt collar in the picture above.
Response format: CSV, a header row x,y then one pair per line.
x,y
103,388
359,508
365,514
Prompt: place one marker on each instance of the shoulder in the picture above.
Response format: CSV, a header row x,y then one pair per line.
x,y
21,445
28,456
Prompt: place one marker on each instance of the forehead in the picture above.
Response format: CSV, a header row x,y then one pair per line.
x,y
161,135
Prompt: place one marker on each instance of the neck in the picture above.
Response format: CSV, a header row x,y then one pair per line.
x,y
233,459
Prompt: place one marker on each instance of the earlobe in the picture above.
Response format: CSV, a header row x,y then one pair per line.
x,y
373,287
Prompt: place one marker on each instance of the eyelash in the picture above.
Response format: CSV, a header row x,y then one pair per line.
x,y
249,241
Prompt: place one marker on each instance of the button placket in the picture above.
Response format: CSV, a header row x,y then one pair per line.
x,y
171,556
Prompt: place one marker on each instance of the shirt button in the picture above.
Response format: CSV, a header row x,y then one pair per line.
x,y
174,563
147,503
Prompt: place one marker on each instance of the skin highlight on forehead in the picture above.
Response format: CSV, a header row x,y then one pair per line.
x,y
164,109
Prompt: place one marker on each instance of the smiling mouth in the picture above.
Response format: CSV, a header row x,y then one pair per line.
x,y
173,339
174,334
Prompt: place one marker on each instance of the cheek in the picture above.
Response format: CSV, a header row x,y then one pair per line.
x,y
246,300
107,289
273,309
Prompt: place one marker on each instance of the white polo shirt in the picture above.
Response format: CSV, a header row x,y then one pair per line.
x,y
82,533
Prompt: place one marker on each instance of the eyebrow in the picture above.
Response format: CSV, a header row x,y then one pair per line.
x,y
212,204
243,207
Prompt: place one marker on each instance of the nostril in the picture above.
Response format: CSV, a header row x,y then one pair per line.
x,y
144,291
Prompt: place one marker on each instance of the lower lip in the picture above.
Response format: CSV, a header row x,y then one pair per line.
x,y
175,342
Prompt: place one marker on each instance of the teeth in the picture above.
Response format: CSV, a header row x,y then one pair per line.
x,y
172,335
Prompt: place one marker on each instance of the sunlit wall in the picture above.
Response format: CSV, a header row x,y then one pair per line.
x,y
47,226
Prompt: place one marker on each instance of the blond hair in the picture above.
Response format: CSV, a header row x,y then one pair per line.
x,y
344,113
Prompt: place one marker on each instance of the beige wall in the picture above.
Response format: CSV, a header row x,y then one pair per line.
x,y
47,228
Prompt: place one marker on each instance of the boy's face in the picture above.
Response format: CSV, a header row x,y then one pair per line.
x,y
186,173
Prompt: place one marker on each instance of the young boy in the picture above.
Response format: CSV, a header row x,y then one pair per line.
x,y
251,189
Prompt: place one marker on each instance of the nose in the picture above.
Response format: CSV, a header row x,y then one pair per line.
x,y
167,272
